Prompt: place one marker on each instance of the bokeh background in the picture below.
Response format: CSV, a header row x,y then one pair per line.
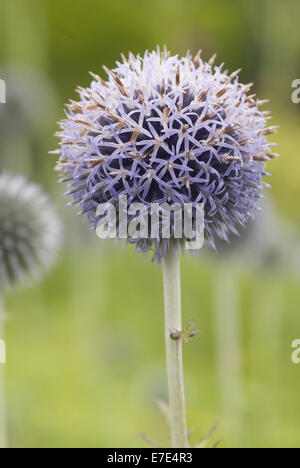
x,y
85,348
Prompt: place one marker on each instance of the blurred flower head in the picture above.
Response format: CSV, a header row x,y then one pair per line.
x,y
30,232
167,129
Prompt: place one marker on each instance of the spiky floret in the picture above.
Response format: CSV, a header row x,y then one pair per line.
x,y
30,232
167,129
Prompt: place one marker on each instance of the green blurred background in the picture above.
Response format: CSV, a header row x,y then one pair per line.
x,y
85,348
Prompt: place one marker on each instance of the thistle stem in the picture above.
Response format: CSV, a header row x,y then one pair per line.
x,y
172,293
3,433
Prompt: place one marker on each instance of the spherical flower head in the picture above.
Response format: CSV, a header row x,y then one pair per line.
x,y
165,129
30,232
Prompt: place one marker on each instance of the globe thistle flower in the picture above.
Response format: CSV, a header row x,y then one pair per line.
x,y
165,129
30,232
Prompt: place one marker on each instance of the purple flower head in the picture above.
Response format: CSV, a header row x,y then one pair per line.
x,y
165,129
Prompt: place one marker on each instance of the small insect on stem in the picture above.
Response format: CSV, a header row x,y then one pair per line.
x,y
188,333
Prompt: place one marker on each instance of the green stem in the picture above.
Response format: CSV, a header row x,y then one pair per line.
x,y
178,429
